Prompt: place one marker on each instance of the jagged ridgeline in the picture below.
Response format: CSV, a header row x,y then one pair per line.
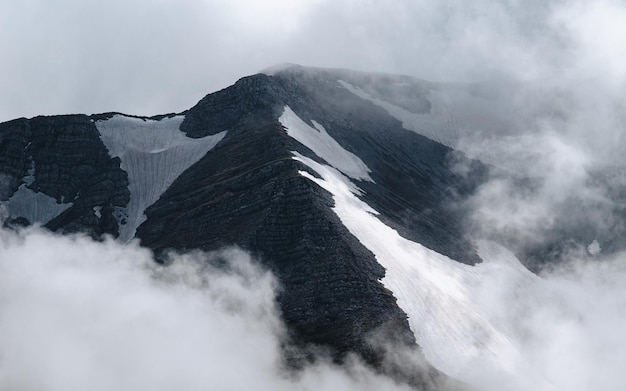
x,y
348,186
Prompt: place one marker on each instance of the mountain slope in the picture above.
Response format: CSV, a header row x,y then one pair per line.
x,y
234,175
248,191
351,187
64,171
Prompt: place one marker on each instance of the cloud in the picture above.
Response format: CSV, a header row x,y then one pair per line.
x,y
580,346
556,191
595,28
137,56
75,313
565,324
559,163
149,57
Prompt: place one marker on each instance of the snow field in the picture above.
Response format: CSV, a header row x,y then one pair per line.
x,y
154,154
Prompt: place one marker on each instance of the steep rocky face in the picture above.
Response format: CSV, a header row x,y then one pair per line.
x,y
248,192
62,163
330,289
414,184
413,181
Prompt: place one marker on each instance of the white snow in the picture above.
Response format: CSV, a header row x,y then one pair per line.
x,y
154,154
323,145
453,314
36,207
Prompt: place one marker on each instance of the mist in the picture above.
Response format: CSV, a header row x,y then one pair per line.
x,y
558,163
76,313
563,326
151,57
80,314
555,196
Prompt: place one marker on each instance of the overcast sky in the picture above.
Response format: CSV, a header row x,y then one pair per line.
x,y
155,56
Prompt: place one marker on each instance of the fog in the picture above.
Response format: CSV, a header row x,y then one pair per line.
x,y
148,57
564,325
557,184
79,314
559,163
75,313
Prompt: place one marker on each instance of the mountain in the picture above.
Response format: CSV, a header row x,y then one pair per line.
x,y
347,185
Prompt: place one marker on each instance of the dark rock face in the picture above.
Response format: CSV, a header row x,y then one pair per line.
x,y
415,188
330,289
68,162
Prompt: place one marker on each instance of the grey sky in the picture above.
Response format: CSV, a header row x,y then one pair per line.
x,y
154,56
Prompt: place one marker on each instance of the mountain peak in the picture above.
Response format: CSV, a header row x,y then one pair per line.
x,y
278,68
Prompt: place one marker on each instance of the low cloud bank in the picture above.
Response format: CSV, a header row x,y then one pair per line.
x,y
556,197
564,326
79,314
572,331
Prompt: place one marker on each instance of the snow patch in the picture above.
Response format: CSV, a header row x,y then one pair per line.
x,y
153,154
323,145
37,208
451,312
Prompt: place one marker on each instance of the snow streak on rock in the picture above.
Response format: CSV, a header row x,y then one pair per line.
x,y
154,154
324,146
448,303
